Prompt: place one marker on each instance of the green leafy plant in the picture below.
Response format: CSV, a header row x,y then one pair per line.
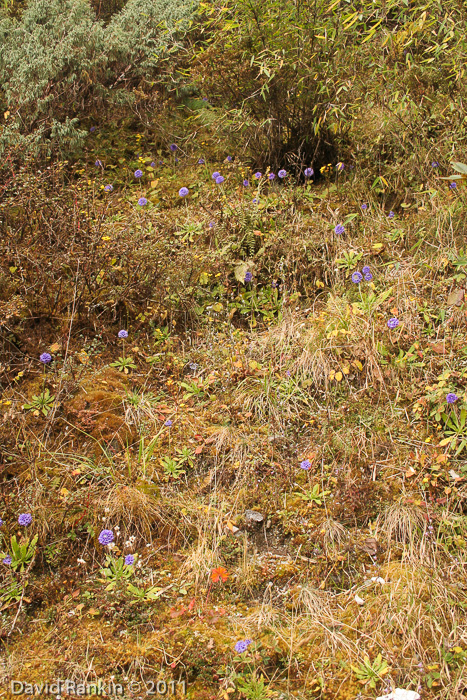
x,y
123,364
349,260
42,403
12,592
193,389
253,688
115,570
314,495
370,673
455,429
151,593
22,553
172,467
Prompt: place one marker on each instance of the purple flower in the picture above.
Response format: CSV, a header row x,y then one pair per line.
x,y
242,646
220,180
45,358
271,176
129,560
229,158
173,147
258,175
246,183
215,175
106,537
254,200
153,165
357,277
201,161
339,229
138,173
1,522
122,334
452,186
108,188
168,423
435,164
451,398
183,191
274,284
142,201
248,276
393,323
92,129
282,173
309,172
25,519
212,224
340,167
365,270
391,215
368,276
364,207
98,163
7,560
306,464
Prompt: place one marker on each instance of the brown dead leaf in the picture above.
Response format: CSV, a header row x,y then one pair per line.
x,y
456,297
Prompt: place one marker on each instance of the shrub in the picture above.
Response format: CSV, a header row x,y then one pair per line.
x,y
58,61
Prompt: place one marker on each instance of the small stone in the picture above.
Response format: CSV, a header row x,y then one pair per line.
x,y
359,600
400,694
253,516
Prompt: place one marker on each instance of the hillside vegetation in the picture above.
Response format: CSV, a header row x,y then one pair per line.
x,y
233,350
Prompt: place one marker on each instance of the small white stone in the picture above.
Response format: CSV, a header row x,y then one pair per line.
x,y
359,600
400,694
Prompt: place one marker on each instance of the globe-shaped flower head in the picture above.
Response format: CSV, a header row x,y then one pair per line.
x,y
229,158
366,270
391,215
242,646
248,276
1,522
339,229
45,358
306,464
106,537
258,175
168,423
393,323
183,191
368,277
364,207
215,175
108,188
98,163
282,174
451,398
271,176
435,164
25,519
452,186
246,183
200,161
173,147
357,277
138,173
123,333
220,180
142,201
7,560
129,560
309,172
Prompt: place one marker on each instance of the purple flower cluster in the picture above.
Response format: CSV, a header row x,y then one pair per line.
x,y
242,646
282,174
122,334
183,191
25,519
248,276
108,188
309,172
339,230
306,464
45,358
142,201
365,274
451,398
393,323
106,537
129,560
138,173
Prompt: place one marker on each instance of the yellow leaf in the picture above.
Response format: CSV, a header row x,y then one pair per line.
x,y
444,442
458,650
346,370
64,491
358,365
338,376
55,347
331,374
